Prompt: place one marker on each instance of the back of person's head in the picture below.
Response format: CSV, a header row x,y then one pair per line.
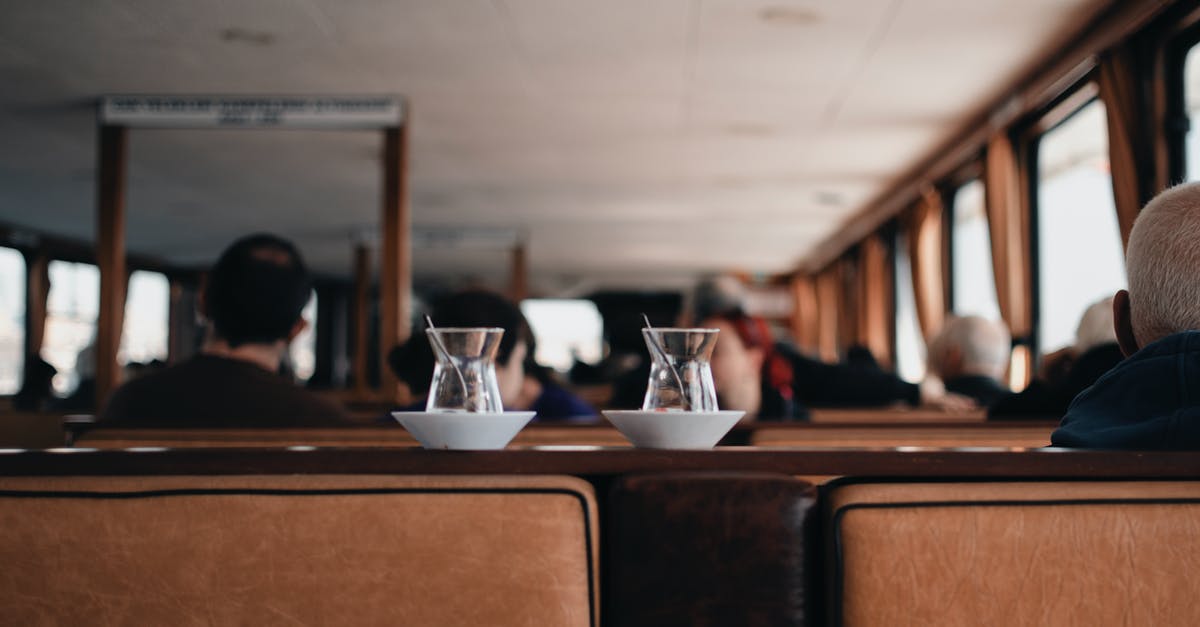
x,y
1096,326
413,362
256,290
970,345
754,333
717,296
1163,263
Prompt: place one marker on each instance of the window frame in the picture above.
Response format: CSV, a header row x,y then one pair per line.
x,y
1083,93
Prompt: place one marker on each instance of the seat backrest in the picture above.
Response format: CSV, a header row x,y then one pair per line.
x,y
1015,553
1009,434
706,549
315,549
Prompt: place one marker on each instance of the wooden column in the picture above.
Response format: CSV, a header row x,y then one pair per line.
x,y
362,318
37,291
518,285
110,257
395,271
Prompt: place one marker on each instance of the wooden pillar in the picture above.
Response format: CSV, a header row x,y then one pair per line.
x,y
362,318
395,271
518,285
110,257
37,291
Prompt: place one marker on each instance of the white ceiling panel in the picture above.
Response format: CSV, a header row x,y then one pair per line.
x,y
628,143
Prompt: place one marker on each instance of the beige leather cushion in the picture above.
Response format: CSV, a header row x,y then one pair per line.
x,y
1127,563
442,551
917,435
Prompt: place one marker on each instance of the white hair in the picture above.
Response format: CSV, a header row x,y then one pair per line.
x,y
1163,263
1096,326
984,345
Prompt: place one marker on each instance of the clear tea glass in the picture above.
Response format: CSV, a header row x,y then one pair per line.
x,y
464,378
680,370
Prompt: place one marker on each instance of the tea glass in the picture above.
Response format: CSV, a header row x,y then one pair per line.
x,y
464,378
680,370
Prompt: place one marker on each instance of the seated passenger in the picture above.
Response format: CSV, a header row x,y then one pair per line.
x,y
522,385
1066,373
252,302
970,355
755,374
1151,400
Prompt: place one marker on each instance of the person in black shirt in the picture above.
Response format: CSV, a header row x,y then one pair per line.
x,y
252,301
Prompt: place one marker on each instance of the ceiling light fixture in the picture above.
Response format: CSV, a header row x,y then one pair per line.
x,y
247,36
789,16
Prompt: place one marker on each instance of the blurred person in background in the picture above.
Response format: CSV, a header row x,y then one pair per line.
x,y
970,355
752,372
252,303
523,384
1067,372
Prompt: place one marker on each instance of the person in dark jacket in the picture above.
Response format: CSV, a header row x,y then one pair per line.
x,y
970,354
1066,372
1151,400
754,373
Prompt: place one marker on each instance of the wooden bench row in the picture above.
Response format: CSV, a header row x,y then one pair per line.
x,y
387,536
928,434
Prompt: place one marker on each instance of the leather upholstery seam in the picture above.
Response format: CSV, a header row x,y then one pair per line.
x,y
839,566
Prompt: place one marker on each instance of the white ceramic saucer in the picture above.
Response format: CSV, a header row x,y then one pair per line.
x,y
463,431
673,429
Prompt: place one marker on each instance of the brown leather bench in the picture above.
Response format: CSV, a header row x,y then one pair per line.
x,y
1031,434
696,548
299,549
532,435
1014,553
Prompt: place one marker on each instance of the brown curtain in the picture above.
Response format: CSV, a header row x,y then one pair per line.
x,y
875,307
925,251
805,323
1008,227
829,303
850,307
37,291
1119,91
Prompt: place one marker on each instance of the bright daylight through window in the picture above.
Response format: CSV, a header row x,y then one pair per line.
x,y
910,345
303,351
565,330
12,320
71,311
974,284
147,318
1080,256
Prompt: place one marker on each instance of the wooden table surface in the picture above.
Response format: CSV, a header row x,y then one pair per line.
x,y
600,461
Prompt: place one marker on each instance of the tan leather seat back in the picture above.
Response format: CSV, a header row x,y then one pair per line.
x,y
1021,553
344,550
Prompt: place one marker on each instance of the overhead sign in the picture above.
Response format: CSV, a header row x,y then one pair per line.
x,y
293,112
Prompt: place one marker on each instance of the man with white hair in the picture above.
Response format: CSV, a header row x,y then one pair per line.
x,y
1151,400
970,355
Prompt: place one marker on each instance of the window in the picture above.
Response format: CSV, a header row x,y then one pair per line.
x,y
147,318
12,320
1080,257
1191,98
974,284
303,351
910,345
71,310
565,330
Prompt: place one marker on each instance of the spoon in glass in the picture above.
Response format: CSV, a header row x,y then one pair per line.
x,y
437,342
662,352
